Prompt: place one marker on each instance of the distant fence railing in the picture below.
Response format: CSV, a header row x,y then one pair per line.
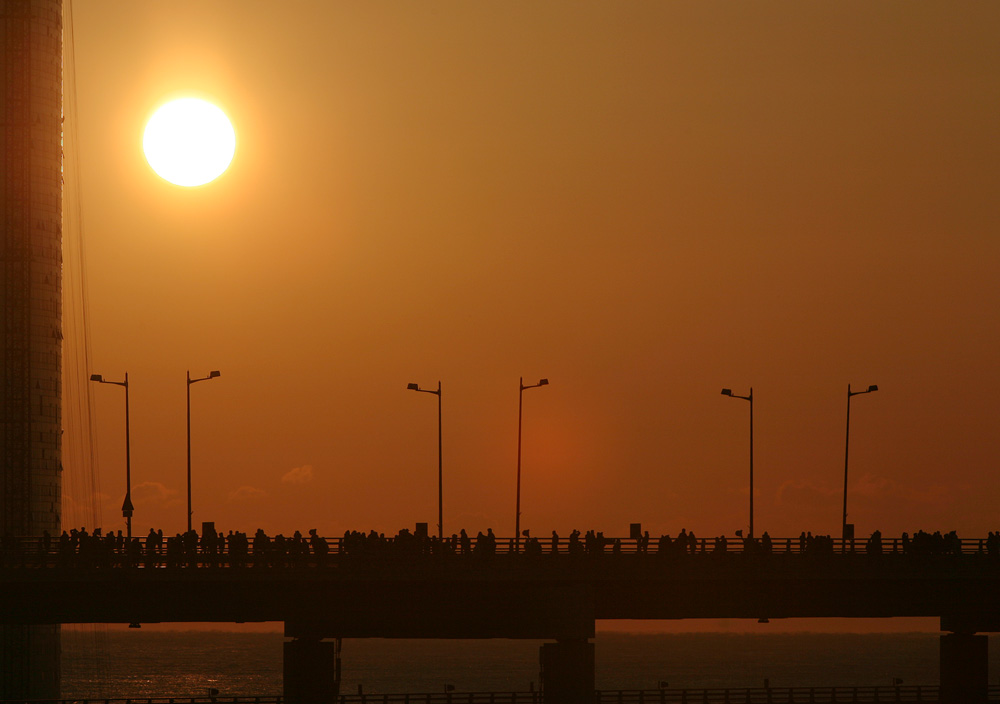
x,y
779,695
754,695
277,551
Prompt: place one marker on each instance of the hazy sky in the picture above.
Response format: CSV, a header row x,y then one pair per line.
x,y
643,202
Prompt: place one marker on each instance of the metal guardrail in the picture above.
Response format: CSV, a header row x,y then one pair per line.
x,y
928,694
778,695
32,551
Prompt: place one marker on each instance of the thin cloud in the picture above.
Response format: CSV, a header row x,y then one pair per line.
x,y
800,493
246,493
873,486
298,475
151,494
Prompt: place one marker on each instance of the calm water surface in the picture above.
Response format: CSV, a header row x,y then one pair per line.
x,y
98,662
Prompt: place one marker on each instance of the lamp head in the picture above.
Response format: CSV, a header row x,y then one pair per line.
x,y
727,392
212,375
96,377
412,387
543,382
873,387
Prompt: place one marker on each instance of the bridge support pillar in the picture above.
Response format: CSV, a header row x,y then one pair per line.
x,y
311,670
964,669
29,662
567,671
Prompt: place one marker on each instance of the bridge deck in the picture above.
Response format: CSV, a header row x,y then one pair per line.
x,y
515,595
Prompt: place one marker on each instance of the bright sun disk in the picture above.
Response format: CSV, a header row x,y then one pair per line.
x,y
189,142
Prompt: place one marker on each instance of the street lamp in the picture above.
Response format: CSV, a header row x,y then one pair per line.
x,y
127,507
414,387
729,392
847,444
211,375
520,404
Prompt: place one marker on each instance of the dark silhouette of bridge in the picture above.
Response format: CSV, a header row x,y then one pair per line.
x,y
422,588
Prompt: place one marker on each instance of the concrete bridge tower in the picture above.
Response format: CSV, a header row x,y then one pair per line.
x,y
30,312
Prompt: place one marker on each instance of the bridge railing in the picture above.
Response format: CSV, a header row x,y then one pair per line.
x,y
775,695
758,695
37,552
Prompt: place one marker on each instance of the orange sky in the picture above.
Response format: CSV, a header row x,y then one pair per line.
x,y
643,202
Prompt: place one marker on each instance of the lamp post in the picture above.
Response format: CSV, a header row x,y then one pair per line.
x,y
520,405
847,445
729,392
211,375
127,507
415,387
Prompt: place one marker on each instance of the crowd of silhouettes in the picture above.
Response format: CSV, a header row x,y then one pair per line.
x,y
211,548
360,545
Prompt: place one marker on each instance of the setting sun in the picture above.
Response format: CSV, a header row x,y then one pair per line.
x,y
189,142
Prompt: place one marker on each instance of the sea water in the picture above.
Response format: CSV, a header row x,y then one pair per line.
x,y
103,662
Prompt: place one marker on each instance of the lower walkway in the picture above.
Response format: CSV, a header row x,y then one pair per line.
x,y
928,694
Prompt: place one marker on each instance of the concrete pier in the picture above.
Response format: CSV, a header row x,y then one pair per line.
x,y
964,669
567,668
311,670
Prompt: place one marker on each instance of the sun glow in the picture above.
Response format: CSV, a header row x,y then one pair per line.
x,y
189,142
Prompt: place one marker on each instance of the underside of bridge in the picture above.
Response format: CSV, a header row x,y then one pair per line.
x,y
567,666
311,668
551,599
